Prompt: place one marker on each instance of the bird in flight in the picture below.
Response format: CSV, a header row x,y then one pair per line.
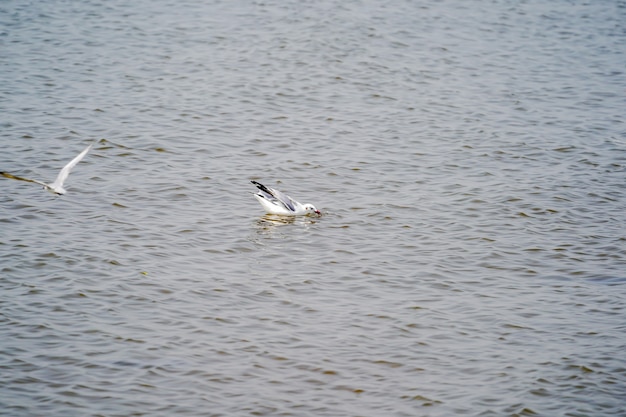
x,y
57,186
275,202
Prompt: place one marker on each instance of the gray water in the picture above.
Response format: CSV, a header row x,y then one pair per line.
x,y
469,159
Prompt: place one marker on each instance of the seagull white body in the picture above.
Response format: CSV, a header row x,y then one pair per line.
x,y
275,202
57,186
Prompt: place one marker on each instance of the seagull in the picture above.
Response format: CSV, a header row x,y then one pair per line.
x,y
57,186
275,202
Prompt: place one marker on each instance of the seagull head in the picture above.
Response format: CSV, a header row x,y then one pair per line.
x,y
310,209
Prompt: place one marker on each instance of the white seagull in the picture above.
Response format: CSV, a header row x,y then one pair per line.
x,y
275,202
57,186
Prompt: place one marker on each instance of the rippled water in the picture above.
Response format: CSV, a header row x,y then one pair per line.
x,y
469,159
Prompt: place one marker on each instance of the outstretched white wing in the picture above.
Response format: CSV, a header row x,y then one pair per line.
x,y
58,182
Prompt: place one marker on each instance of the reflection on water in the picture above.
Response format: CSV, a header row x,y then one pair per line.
x,y
272,225
269,220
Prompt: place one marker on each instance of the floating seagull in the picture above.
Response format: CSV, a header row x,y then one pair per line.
x,y
57,186
275,202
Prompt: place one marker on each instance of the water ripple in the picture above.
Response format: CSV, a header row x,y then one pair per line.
x,y
468,160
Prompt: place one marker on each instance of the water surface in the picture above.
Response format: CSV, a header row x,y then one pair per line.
x,y
469,159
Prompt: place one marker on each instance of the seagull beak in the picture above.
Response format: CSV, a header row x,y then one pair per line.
x,y
319,213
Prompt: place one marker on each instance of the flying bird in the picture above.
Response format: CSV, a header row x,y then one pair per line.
x,y
275,202
57,186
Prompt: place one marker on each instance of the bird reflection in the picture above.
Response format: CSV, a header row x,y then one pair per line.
x,y
271,223
270,220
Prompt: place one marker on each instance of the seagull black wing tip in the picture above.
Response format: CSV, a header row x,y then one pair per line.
x,y
262,187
